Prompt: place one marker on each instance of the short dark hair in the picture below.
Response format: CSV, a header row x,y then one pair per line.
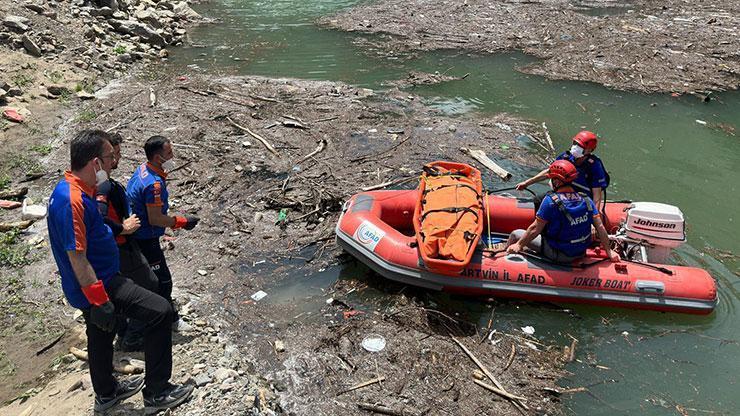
x,y
116,139
86,146
154,146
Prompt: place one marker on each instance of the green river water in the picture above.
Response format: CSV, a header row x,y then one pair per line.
x,y
653,146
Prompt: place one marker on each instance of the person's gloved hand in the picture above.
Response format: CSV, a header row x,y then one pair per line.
x,y
104,316
188,222
102,311
192,221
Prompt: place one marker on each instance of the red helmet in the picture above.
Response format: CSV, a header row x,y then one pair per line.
x,y
562,170
586,139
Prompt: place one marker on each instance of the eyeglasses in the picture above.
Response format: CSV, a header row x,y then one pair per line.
x,y
108,156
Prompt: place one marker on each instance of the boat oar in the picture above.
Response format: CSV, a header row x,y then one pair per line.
x,y
658,268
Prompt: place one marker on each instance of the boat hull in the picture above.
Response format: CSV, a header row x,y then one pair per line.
x,y
376,228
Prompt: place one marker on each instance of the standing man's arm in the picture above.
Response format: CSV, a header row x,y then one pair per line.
x,y
154,203
82,268
130,223
102,311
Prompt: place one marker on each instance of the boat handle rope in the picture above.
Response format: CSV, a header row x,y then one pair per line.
x,y
494,191
453,210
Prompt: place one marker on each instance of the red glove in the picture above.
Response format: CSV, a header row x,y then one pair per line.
x,y
180,222
187,223
96,294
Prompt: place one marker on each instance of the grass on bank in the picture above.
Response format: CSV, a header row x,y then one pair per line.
x,y
4,181
42,149
13,252
85,116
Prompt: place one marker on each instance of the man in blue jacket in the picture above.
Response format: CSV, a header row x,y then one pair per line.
x,y
86,254
592,176
147,191
561,230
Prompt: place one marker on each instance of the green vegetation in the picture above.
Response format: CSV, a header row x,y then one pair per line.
x,y
86,115
64,97
26,164
42,149
55,77
119,49
13,252
21,79
4,181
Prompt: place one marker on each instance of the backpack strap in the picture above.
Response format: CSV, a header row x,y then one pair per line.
x,y
561,207
589,206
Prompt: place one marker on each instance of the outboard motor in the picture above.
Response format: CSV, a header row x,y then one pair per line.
x,y
651,231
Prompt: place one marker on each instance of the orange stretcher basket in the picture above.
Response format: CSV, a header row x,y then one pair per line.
x,y
448,218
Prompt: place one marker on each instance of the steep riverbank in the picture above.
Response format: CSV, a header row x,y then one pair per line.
x,y
647,46
268,219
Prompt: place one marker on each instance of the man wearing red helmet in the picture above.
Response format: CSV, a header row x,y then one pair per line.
x,y
564,219
592,177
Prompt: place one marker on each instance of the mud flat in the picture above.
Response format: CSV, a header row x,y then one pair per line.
x,y
647,46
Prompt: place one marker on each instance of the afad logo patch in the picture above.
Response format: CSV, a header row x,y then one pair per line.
x,y
369,235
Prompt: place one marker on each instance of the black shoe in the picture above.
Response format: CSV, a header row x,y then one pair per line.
x,y
124,390
172,396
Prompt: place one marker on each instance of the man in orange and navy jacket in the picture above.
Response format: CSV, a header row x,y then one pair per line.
x,y
114,207
147,191
87,257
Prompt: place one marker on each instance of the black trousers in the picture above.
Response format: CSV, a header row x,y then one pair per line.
x,y
135,302
135,266
151,249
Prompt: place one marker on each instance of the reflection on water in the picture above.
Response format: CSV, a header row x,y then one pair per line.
x,y
633,362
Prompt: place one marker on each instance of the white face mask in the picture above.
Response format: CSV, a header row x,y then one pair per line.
x,y
576,151
168,165
100,176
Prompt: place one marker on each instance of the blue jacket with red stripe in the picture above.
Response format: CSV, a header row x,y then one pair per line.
x,y
76,225
147,187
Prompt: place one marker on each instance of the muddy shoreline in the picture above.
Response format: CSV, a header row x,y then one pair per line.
x,y
268,220
330,141
645,46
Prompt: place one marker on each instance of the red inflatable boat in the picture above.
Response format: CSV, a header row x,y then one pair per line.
x,y
377,228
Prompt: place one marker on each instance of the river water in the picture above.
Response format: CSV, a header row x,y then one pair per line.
x,y
656,147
